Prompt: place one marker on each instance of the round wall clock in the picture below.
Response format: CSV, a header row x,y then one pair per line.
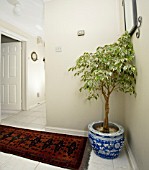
x,y
34,56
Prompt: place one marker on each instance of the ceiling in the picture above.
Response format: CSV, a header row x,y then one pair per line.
x,y
30,17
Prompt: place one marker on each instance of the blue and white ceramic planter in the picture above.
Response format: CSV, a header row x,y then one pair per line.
x,y
106,145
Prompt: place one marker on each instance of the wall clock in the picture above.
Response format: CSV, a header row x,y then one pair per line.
x,y
34,56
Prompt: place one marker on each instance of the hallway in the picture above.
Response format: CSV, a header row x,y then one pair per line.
x,y
32,119
36,119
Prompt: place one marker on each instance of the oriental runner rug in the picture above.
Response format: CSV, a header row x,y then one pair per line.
x,y
60,150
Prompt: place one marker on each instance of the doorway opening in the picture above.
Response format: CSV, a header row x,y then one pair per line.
x,y
13,75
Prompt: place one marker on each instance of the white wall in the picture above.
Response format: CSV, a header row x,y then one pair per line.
x,y
0,81
137,109
66,106
35,70
36,75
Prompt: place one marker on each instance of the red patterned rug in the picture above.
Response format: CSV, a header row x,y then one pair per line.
x,y
55,149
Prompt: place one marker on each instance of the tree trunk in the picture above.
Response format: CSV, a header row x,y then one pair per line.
x,y
106,121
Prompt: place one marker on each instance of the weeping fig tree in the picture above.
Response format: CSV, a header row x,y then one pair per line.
x,y
110,68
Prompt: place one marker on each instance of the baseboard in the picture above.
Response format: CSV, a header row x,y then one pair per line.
x,y
42,102
37,104
131,157
10,111
67,131
31,107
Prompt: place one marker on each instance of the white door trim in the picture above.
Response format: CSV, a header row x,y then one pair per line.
x,y
24,76
23,40
12,35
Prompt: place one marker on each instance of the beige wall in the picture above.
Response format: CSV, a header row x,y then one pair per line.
x,y
66,106
0,82
35,70
137,109
36,74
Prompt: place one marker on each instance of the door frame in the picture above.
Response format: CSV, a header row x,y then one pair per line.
x,y
24,79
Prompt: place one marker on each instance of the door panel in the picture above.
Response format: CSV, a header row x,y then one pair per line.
x,y
12,94
11,76
2,94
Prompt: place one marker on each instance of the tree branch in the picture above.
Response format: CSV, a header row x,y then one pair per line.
x,y
103,92
111,90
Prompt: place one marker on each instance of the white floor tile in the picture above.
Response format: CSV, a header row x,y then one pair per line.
x,y
42,166
123,169
14,123
99,167
18,163
5,115
28,119
100,161
39,121
4,157
122,161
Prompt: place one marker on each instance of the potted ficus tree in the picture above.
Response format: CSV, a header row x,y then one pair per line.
x,y
111,68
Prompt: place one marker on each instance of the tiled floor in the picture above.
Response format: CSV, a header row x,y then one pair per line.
x,y
36,119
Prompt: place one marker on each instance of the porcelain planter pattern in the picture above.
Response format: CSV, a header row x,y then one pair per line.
x,y
106,145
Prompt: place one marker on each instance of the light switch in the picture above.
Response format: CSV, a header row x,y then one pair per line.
x,y
58,49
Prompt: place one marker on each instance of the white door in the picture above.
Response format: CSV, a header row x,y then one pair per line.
x,y
11,76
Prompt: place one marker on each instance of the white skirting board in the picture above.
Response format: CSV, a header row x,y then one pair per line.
x,y
67,131
37,104
131,157
10,111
